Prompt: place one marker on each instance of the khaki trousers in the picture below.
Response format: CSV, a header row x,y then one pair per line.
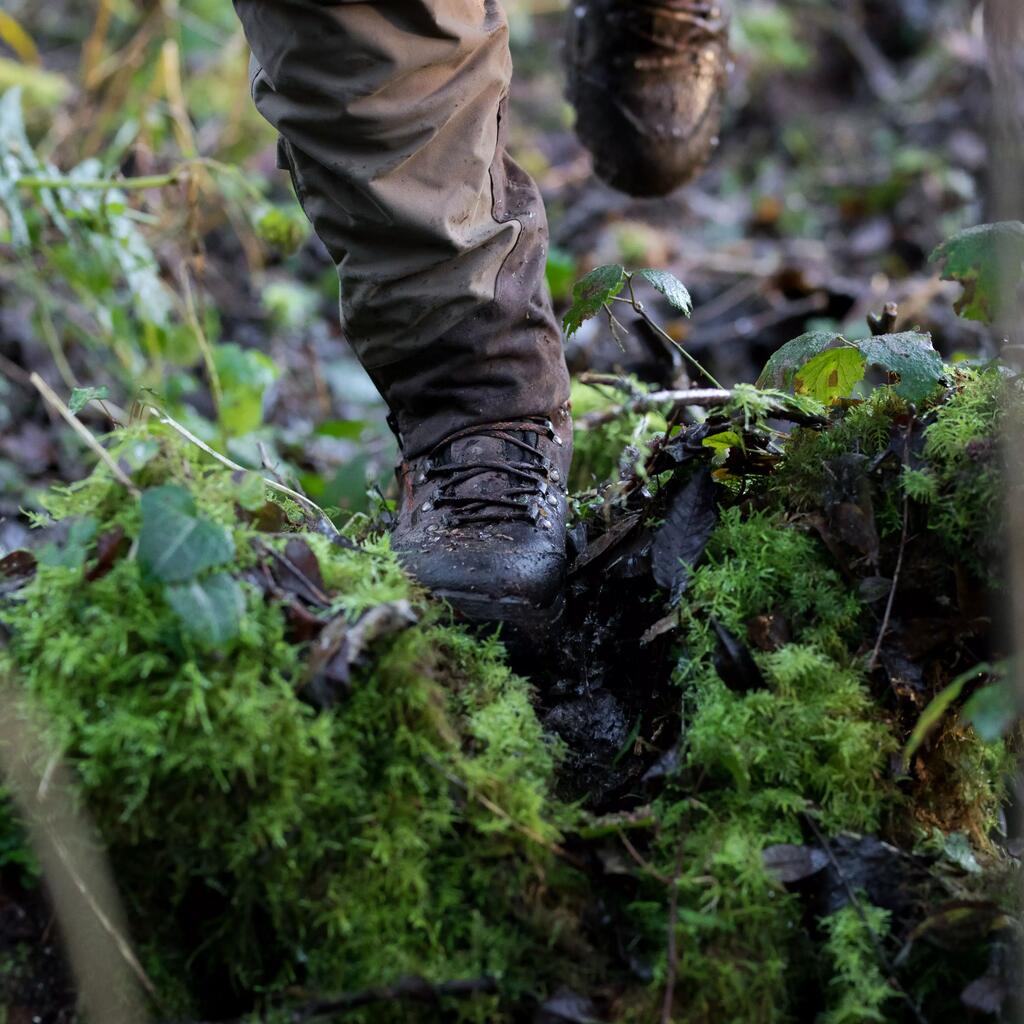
x,y
391,114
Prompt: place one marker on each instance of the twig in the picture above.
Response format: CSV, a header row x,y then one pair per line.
x,y
641,861
851,895
873,662
707,397
884,322
672,953
53,399
307,503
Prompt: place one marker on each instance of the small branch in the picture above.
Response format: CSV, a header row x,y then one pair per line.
x,y
707,397
884,322
641,861
54,400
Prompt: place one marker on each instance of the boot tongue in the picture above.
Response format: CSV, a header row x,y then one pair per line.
x,y
479,448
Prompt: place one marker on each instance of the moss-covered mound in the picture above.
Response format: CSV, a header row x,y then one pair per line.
x,y
259,841
310,781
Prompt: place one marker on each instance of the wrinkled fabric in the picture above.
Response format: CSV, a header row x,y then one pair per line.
x,y
392,116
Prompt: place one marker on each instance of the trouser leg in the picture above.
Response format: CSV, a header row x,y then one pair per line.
x,y
391,113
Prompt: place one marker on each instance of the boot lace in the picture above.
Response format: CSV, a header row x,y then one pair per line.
x,y
525,480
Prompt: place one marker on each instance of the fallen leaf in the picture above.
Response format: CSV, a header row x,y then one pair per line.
x,y
691,519
789,864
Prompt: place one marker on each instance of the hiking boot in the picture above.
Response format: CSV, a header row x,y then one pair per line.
x,y
481,519
646,79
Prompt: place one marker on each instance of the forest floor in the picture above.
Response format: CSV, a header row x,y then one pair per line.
x,y
731,747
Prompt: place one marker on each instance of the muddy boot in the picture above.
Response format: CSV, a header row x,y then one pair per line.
x,y
646,79
481,519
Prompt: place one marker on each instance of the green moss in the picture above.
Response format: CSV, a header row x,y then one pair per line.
x,y
811,742
598,450
858,991
260,842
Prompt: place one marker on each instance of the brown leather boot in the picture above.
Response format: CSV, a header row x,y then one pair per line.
x,y
481,518
646,78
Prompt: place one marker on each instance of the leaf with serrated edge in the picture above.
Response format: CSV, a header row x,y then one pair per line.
x,y
670,287
591,293
909,355
780,370
174,544
830,375
210,610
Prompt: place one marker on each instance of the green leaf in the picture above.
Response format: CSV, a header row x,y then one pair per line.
x,y
940,704
780,370
726,439
671,287
245,375
592,293
987,260
174,544
992,710
210,610
75,549
81,397
830,375
909,355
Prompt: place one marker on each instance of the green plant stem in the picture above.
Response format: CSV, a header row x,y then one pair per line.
x,y
101,184
638,307
142,182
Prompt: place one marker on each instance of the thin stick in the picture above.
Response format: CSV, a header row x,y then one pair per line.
x,y
695,396
168,421
873,662
53,399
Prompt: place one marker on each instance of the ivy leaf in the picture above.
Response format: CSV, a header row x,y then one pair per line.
x,y
987,260
81,397
174,544
592,293
830,375
671,287
245,375
210,610
992,710
780,370
911,356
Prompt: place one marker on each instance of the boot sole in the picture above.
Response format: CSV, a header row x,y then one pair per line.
x,y
516,614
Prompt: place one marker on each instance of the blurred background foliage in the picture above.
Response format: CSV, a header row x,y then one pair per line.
x,y
853,144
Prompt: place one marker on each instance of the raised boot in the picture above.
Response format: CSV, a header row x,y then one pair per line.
x,y
481,519
646,79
